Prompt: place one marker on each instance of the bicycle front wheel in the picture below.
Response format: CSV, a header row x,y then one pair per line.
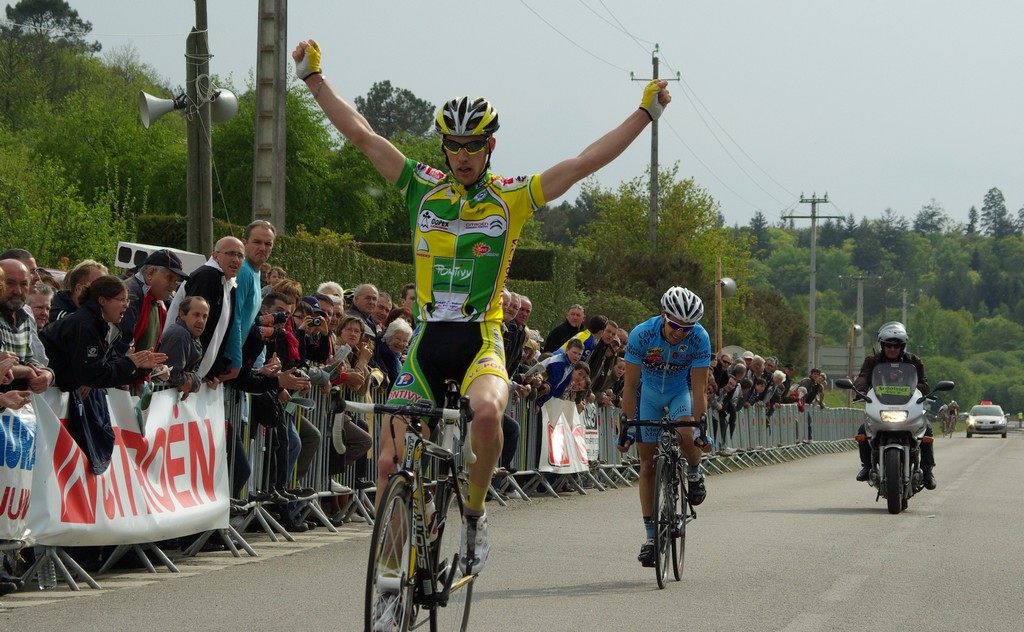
x,y
682,511
391,569
663,517
454,590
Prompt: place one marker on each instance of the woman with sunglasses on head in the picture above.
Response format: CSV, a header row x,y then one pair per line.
x,y
665,357
892,347
466,224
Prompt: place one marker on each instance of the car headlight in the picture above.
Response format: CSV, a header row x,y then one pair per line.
x,y
894,416
970,422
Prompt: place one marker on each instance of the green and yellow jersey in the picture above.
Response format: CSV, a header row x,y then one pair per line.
x,y
463,240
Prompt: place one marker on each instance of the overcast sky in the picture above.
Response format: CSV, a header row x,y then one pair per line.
x,y
880,103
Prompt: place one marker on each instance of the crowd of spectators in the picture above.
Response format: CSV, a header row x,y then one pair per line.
x,y
237,321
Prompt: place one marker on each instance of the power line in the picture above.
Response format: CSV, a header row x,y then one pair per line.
x,y
707,168
570,40
689,90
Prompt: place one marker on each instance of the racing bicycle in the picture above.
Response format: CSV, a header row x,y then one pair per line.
x,y
413,576
671,510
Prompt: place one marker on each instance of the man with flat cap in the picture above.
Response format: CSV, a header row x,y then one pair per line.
x,y
149,290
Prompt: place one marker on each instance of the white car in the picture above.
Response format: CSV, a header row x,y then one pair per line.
x,y
986,418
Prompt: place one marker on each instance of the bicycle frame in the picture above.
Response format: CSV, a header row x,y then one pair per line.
x,y
429,578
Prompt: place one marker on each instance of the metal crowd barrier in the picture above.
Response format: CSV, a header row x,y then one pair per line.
x,y
756,439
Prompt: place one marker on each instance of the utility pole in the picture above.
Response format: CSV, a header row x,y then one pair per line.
x,y
199,184
860,305
652,215
268,172
814,200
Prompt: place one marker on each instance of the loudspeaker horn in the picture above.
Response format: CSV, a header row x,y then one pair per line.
x,y
153,108
224,106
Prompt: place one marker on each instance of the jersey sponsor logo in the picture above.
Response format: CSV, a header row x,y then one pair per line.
x,y
430,172
403,380
429,222
458,271
655,350
492,226
409,396
481,249
422,245
653,359
92,352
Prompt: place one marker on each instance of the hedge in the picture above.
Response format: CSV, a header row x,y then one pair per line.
x,y
547,277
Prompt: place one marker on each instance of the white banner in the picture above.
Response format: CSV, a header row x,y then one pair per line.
x,y
563,447
166,481
17,458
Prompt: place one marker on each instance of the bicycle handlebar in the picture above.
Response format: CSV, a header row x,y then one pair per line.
x,y
701,423
409,410
450,415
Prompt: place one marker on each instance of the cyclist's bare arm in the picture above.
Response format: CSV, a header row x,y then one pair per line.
x,y
699,396
628,403
384,156
556,180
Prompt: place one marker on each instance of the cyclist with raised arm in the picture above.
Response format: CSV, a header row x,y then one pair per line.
x,y
465,228
665,357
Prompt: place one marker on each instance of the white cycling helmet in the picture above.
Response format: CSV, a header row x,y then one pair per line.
x,y
682,304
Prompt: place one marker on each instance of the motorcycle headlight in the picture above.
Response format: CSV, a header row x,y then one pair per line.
x,y
894,416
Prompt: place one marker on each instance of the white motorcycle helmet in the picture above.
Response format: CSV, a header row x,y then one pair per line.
x,y
893,332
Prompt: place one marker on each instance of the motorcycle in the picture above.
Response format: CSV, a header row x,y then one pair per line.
x,y
895,425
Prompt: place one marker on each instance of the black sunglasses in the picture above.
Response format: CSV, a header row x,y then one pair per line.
x,y
471,147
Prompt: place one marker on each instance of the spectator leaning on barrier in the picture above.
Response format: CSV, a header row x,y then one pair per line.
x,y
183,347
149,291
573,325
557,370
85,358
267,382
214,281
17,330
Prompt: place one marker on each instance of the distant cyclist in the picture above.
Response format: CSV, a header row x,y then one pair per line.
x,y
665,356
465,226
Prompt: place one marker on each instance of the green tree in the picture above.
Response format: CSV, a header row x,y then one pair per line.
x,y
930,219
392,110
997,333
995,219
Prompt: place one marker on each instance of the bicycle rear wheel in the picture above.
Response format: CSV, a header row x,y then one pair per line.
x,y
663,517
452,614
389,585
679,539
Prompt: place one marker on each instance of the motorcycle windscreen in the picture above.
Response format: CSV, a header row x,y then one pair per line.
x,y
894,383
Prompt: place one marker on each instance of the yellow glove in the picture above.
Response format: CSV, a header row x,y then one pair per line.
x,y
649,103
310,62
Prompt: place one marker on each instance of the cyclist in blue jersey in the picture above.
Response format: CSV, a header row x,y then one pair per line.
x,y
665,356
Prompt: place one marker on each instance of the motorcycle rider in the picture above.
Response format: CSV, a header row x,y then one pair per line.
x,y
892,345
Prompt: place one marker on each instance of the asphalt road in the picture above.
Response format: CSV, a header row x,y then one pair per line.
x,y
797,547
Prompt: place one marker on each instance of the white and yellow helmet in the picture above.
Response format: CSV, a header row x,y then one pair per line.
x,y
463,116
